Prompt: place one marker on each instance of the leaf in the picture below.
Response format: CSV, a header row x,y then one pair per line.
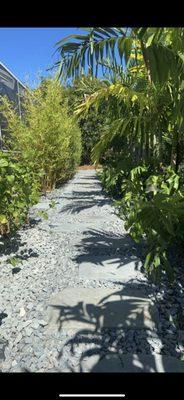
x,y
156,261
14,261
168,268
52,204
3,219
43,214
128,48
121,42
10,178
150,39
3,163
134,98
148,260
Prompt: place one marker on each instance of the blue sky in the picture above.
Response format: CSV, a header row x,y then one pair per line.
x,y
29,51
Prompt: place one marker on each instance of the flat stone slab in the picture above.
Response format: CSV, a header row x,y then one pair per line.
x,y
85,225
132,363
66,227
81,308
69,227
113,268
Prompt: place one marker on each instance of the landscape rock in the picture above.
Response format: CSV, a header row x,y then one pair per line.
x,y
22,312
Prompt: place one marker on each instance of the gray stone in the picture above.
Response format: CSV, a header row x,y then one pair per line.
x,y
18,338
26,323
30,306
35,325
28,331
42,322
109,363
132,363
22,312
151,363
82,308
28,340
114,268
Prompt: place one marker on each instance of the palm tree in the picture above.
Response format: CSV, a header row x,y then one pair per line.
x,y
149,61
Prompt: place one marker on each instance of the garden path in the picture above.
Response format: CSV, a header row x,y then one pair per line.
x,y
93,309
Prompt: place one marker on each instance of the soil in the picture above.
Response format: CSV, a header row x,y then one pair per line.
x,y
84,167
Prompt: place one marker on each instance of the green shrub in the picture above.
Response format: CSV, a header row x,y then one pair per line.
x,y
154,209
113,174
19,189
46,136
92,123
111,180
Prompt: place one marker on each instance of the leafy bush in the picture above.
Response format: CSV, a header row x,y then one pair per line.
x,y
44,147
91,124
19,189
154,209
111,180
115,170
46,136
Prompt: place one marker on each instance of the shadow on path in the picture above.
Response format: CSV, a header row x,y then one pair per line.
x,y
12,243
113,332
100,246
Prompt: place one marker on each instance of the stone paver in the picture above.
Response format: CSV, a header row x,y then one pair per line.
x,y
84,308
132,363
113,268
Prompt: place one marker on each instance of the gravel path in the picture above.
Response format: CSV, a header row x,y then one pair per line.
x,y
51,255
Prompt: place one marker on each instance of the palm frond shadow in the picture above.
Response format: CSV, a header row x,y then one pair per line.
x,y
77,206
85,199
99,246
100,350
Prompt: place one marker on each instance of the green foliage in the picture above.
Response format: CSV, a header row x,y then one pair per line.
x,y
152,206
154,210
78,50
52,204
43,214
19,189
47,136
43,148
141,147
14,261
91,124
160,50
113,175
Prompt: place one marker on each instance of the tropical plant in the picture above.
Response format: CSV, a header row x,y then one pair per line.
x,y
148,55
91,125
154,209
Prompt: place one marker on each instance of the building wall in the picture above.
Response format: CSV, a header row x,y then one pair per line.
x,y
11,87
